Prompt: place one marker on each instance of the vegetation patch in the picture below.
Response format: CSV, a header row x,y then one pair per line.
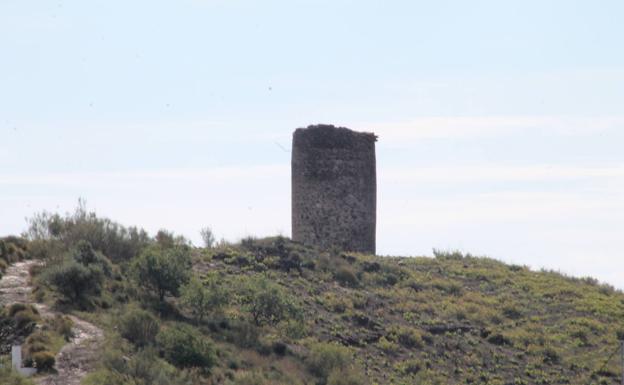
x,y
271,311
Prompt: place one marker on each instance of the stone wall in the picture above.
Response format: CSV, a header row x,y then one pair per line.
x,y
334,188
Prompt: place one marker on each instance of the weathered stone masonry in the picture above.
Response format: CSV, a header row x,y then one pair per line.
x,y
334,188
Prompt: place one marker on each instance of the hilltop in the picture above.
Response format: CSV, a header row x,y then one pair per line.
x,y
271,311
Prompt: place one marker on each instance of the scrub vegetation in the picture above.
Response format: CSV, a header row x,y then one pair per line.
x,y
270,311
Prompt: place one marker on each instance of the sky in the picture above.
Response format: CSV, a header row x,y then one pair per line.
x,y
500,123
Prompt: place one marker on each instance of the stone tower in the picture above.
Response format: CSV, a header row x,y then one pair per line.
x,y
334,188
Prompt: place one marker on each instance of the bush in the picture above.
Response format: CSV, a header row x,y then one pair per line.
x,y
336,303
450,254
37,342
345,377
551,356
269,303
44,361
409,338
24,316
248,378
84,254
324,358
185,347
75,281
162,271
243,334
62,325
45,249
388,346
3,266
410,367
512,312
26,320
208,237
346,276
18,307
143,368
201,299
115,241
13,249
9,376
139,327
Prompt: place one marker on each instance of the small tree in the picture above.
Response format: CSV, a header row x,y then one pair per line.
x,y
202,299
83,253
269,303
326,358
75,281
185,347
139,327
208,237
162,271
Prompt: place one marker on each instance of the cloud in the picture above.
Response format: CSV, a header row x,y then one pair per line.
x,y
504,207
211,175
482,126
495,173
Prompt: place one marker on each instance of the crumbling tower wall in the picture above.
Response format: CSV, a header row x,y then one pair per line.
x,y
334,188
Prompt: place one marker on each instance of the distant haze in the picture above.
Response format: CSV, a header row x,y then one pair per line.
x,y
500,125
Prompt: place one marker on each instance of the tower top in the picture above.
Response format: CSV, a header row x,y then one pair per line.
x,y
329,136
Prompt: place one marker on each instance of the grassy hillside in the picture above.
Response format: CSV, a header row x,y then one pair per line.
x,y
269,311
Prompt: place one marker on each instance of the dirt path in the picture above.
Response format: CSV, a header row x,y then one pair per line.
x,y
14,285
75,358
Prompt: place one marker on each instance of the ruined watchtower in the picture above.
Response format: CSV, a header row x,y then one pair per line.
x,y
334,188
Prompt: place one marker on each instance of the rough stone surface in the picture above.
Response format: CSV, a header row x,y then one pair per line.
x,y
334,188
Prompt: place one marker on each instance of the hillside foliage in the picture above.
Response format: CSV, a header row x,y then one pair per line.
x,y
270,311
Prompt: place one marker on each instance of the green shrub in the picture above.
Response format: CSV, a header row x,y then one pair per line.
x,y
167,239
243,334
3,266
202,299
17,307
388,346
512,312
9,376
248,378
117,242
345,275
336,303
44,361
13,249
450,255
26,318
62,325
551,356
410,367
346,377
408,337
39,341
75,281
45,249
184,346
324,358
139,327
268,303
293,328
208,237
163,270
84,254
143,368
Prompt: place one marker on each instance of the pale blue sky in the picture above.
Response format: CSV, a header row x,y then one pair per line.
x,y
501,122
